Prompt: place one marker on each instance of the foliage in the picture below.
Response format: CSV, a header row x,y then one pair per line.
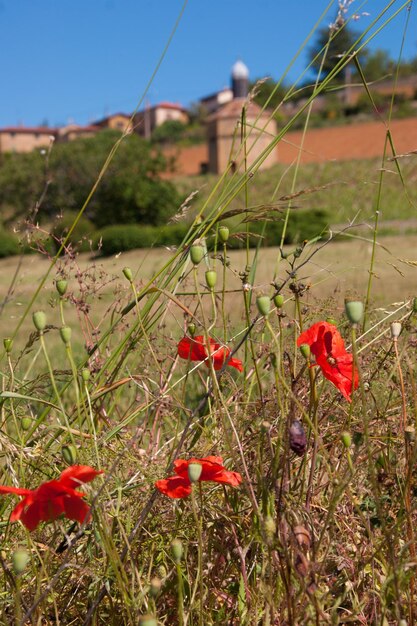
x,y
130,192
330,46
79,237
120,238
9,244
268,92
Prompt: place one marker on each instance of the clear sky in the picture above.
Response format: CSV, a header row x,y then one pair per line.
x,y
78,60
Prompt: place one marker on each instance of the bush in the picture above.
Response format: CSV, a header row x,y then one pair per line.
x,y
9,244
124,237
79,236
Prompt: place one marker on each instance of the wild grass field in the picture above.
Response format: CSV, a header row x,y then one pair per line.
x,y
210,436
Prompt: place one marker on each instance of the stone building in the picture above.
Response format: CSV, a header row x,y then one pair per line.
x,y
25,138
226,146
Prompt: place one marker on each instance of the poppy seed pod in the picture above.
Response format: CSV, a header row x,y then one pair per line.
x,y
211,279
128,273
20,559
61,286
85,374
8,345
147,620
279,300
346,439
39,320
395,330
194,472
264,305
26,423
269,528
305,350
177,550
354,311
65,332
298,438
196,253
69,454
191,329
223,234
155,587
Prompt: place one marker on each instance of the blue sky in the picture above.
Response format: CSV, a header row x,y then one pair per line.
x,y
78,60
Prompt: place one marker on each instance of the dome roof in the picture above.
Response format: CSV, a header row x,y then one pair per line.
x,y
239,70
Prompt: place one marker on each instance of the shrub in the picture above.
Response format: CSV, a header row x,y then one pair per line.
x,y
9,244
79,236
124,237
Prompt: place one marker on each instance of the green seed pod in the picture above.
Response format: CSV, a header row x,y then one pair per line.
x,y
297,252
20,559
346,439
194,472
269,528
128,273
223,234
85,374
191,329
354,311
264,305
69,454
211,279
279,300
305,350
65,332
395,330
177,550
8,345
147,620
61,286
155,587
26,423
196,253
331,320
39,320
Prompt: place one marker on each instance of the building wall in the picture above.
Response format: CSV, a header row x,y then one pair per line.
x,y
18,141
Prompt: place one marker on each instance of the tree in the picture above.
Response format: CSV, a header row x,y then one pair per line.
x,y
131,190
264,90
330,46
377,64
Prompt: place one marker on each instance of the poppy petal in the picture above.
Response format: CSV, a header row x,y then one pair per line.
x,y
174,487
75,475
17,490
76,509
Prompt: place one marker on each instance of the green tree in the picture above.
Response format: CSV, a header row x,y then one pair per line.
x,y
264,90
131,190
330,46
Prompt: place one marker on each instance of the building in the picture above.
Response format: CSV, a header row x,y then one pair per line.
x,y
116,121
26,139
224,129
73,131
212,103
152,116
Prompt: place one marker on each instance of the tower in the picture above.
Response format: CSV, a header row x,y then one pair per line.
x,y
240,80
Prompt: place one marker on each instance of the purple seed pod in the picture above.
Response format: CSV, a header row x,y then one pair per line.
x,y
298,438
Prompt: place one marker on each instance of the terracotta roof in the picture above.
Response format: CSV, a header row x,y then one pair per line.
x,y
78,129
233,109
127,116
168,105
40,130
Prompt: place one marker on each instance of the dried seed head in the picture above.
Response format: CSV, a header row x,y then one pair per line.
x,y
395,330
303,537
302,565
298,438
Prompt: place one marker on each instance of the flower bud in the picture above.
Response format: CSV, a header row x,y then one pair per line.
x,y
395,330
191,329
128,273
346,439
8,345
279,300
69,454
20,559
223,234
177,550
264,304
194,472
39,320
147,620
155,587
196,253
302,536
297,252
65,332
211,279
305,350
61,286
298,438
26,423
85,374
354,311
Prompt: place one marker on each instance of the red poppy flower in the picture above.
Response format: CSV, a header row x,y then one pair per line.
x,y
179,486
327,345
195,350
53,498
